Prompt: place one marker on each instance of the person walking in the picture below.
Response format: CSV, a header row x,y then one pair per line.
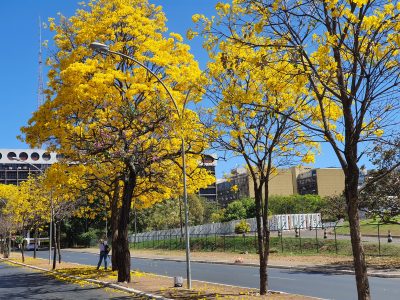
x,y
103,247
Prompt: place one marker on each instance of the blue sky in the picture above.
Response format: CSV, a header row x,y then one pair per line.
x,y
19,61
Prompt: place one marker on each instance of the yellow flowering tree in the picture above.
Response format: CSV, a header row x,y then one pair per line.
x,y
348,51
23,206
9,224
60,185
104,109
31,208
246,94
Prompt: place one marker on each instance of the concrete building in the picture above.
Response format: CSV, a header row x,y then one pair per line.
x,y
226,194
322,181
295,180
283,182
209,162
17,164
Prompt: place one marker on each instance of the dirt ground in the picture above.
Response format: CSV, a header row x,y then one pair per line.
x,y
251,258
158,285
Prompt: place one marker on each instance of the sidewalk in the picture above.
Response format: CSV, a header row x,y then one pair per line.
x,y
377,266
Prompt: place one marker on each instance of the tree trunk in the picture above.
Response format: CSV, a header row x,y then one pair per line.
x,y
360,266
22,251
266,232
55,245
9,244
114,226
2,244
122,245
35,238
22,245
135,221
59,242
261,241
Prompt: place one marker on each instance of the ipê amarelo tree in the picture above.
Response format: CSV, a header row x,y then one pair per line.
x,y
105,108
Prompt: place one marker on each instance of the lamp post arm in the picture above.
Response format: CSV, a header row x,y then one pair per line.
x,y
37,168
152,73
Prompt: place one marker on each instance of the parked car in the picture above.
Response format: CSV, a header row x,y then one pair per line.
x,y
31,247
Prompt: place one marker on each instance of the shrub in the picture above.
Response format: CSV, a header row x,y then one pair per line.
x,y
242,227
88,238
19,239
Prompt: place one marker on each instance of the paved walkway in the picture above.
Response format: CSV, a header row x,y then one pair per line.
x,y
331,264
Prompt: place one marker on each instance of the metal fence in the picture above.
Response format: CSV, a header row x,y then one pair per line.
x,y
322,238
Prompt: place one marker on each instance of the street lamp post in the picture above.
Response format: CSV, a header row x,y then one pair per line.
x,y
51,206
102,48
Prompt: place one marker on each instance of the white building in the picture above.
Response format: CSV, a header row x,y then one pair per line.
x,y
17,164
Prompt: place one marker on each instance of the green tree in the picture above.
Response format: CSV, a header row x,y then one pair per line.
x,y
250,206
243,208
381,200
380,193
295,204
166,214
235,211
334,208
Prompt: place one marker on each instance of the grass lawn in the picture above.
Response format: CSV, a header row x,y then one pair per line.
x,y
370,227
284,246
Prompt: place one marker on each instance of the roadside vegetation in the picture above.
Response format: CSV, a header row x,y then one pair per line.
x,y
283,246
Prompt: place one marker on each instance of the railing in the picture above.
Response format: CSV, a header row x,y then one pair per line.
x,y
322,238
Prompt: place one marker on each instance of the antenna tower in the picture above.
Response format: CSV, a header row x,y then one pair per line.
x,y
40,94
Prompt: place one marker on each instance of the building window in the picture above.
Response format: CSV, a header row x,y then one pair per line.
x,y
23,156
35,156
23,175
46,156
11,175
11,155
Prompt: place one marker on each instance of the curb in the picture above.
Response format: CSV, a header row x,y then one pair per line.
x,y
95,281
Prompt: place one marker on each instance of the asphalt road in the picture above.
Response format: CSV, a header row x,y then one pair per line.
x,y
318,284
23,283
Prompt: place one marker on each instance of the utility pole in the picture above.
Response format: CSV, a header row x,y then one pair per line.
x,y
40,94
